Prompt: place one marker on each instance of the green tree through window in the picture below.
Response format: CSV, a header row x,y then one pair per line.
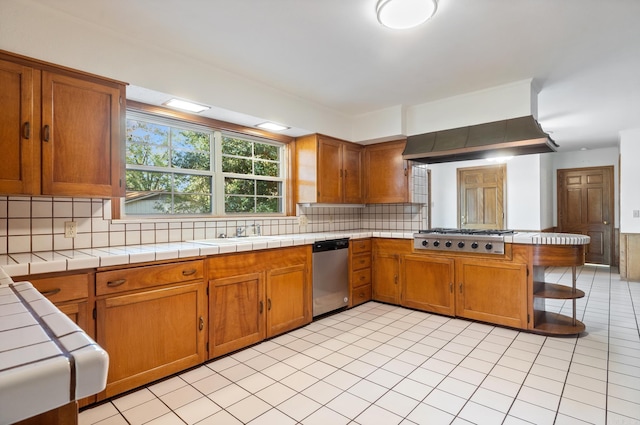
x,y
172,169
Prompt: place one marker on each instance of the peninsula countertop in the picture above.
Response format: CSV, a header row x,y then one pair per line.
x,y
46,360
29,263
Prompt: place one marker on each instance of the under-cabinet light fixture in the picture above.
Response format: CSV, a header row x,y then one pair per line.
x,y
499,159
272,126
186,105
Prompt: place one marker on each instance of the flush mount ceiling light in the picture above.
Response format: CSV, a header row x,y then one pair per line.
x,y
186,105
404,14
268,125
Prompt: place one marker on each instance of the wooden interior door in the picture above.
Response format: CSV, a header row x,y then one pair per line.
x,y
585,206
481,197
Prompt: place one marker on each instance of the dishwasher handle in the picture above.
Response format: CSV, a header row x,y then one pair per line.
x,y
330,245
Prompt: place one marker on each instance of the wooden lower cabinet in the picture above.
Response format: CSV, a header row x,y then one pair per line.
x,y
359,271
386,268
257,295
236,306
428,284
154,331
492,291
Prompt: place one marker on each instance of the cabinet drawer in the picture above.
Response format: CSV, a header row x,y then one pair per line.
x,y
360,295
362,261
361,277
63,288
144,277
360,245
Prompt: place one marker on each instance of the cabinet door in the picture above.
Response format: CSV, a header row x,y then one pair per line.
x,y
427,284
18,131
386,275
151,334
492,291
236,309
386,173
288,294
81,137
352,178
329,170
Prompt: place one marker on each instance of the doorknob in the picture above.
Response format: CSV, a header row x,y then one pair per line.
x,y
605,222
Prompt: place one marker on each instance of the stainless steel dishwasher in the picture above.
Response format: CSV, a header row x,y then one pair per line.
x,y
330,275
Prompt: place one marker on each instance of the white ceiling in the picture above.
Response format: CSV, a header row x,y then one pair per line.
x,y
584,55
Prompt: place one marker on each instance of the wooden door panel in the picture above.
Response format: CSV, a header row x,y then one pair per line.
x,y
16,123
287,292
495,293
481,197
385,278
595,214
151,334
236,311
77,149
428,284
585,206
329,171
386,173
352,163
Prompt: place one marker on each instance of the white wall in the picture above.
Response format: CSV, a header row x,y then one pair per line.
x,y
584,159
494,104
523,192
629,180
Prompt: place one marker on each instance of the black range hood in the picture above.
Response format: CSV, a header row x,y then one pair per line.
x,y
516,136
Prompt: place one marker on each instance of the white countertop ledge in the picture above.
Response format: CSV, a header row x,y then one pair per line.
x,y
22,264
39,348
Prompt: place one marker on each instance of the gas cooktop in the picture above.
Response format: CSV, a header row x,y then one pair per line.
x,y
486,241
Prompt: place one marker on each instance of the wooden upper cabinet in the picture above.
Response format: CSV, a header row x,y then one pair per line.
x,y
61,131
386,173
18,131
81,137
328,170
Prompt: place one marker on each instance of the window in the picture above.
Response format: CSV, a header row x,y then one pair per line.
x,y
174,168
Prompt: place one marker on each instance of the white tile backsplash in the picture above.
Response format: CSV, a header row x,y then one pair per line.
x,y
37,224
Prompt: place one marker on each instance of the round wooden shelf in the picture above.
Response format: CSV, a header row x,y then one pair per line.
x,y
556,291
554,324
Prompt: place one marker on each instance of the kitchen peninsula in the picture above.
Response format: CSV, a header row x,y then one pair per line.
x,y
506,289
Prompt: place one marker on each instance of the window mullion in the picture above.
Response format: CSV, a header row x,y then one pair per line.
x,y
218,176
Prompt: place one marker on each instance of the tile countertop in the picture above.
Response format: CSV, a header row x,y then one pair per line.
x,y
22,264
46,360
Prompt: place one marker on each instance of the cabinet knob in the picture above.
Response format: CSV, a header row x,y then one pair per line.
x,y
201,325
27,130
261,307
188,272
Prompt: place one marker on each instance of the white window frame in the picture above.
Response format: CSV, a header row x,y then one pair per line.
x,y
216,173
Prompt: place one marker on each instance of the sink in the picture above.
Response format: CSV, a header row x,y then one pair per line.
x,y
233,240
